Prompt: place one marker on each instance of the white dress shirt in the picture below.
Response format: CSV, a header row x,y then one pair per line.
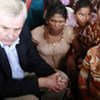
x,y
17,72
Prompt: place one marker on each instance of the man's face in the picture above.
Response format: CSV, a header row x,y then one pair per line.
x,y
10,28
83,16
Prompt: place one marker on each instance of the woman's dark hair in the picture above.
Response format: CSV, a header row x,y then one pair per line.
x,y
56,8
49,2
82,3
98,5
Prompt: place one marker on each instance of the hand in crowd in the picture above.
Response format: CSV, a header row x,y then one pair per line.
x,y
53,82
71,65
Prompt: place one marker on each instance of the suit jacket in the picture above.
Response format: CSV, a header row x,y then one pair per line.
x,y
30,61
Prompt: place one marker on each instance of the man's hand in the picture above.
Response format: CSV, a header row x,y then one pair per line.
x,y
53,82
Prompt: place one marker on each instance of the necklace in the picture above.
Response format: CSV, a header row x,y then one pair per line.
x,y
52,39
54,44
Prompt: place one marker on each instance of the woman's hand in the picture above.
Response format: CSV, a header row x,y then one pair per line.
x,y
53,82
71,65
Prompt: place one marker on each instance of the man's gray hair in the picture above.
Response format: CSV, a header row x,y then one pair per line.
x,y
13,7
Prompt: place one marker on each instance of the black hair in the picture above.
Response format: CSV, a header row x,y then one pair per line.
x,y
56,8
82,3
49,2
98,5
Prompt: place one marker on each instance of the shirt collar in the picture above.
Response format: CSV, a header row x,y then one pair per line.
x,y
13,45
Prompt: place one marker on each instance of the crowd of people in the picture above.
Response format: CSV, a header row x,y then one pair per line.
x,y
50,50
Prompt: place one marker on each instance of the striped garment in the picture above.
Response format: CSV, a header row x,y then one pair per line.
x,y
89,77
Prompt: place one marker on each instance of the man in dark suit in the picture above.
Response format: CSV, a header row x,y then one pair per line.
x,y
19,55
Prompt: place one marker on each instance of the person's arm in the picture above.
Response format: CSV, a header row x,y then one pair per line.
x,y
37,64
76,46
84,80
12,87
73,54
53,82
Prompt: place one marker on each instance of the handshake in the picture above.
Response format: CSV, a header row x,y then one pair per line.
x,y
54,82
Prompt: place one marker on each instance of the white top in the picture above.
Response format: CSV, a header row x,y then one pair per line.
x,y
17,72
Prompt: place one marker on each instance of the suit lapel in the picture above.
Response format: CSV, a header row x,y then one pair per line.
x,y
5,63
22,55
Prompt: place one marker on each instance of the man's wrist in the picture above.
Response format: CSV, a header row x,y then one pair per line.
x,y
41,82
